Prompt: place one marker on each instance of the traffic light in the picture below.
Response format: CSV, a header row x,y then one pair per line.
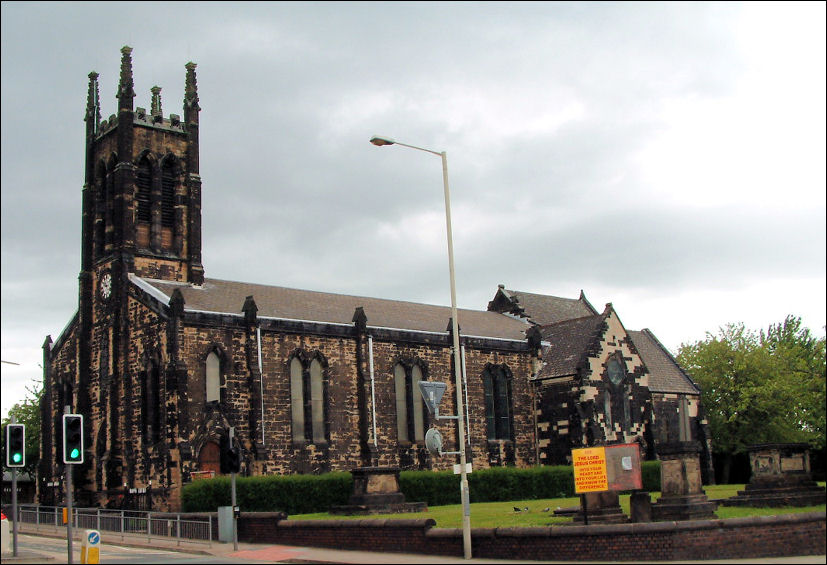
x,y
72,439
15,445
234,460
230,456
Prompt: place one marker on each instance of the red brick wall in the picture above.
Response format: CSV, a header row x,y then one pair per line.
x,y
735,538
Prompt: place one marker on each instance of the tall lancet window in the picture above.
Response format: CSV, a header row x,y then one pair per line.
x,y
307,400
213,377
317,401
410,416
169,180
100,209
297,399
143,202
499,413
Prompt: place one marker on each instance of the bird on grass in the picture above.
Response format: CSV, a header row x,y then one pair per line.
x,y
546,509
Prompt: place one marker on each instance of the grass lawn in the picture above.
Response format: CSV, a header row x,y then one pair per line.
x,y
503,515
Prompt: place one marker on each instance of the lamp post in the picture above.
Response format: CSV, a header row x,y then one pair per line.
x,y
466,506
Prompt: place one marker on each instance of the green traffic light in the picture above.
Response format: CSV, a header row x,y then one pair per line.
x,y
17,457
74,454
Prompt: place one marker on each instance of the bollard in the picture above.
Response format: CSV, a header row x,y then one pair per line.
x,y
6,537
90,549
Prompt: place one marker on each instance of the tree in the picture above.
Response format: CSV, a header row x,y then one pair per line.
x,y
764,387
801,362
27,412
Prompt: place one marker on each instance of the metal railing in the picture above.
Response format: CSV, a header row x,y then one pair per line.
x,y
123,522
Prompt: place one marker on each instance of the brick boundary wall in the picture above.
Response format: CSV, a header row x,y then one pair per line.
x,y
734,538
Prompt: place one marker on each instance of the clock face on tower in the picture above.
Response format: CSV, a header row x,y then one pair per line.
x,y
106,285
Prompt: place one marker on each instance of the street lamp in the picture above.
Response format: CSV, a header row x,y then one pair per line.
x,y
466,506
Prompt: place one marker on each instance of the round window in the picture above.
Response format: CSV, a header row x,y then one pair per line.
x,y
616,372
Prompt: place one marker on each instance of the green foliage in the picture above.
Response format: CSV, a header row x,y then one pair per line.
x,y
27,412
760,387
305,494
438,488
432,487
801,365
294,494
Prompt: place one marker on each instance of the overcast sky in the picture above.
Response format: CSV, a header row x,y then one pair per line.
x,y
667,158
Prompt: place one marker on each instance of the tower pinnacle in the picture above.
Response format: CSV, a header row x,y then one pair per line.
x,y
93,108
126,90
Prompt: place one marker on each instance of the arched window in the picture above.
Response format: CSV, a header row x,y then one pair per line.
x,y
143,192
401,403
307,400
169,179
100,209
143,202
617,407
496,381
213,382
410,415
317,400
607,409
152,405
297,399
109,205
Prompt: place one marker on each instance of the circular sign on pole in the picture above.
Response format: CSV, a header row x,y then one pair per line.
x,y
90,549
433,442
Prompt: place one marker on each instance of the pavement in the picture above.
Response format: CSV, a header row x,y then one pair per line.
x,y
269,553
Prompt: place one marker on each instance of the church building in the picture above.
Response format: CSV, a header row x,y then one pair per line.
x,y
162,360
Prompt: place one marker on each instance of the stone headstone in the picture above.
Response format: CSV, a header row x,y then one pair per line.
x,y
640,507
682,495
602,507
781,476
376,491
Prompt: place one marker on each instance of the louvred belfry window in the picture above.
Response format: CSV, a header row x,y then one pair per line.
x,y
143,192
168,181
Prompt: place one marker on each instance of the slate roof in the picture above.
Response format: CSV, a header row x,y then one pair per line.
x,y
544,309
227,297
665,375
570,340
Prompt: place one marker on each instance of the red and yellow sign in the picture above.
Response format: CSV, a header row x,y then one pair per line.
x,y
589,469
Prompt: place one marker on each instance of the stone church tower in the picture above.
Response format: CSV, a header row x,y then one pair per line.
x,y
141,214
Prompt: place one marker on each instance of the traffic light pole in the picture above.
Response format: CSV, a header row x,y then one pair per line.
x,y
14,500
68,470
232,497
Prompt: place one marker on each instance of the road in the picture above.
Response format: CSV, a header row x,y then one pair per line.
x,y
55,550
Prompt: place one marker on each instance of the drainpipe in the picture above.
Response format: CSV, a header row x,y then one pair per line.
x,y
260,380
465,388
372,390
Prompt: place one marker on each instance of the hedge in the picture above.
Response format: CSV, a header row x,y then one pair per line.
x,y
294,494
305,494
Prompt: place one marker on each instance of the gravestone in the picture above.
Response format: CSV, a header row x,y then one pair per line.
x,y
781,476
682,495
376,491
601,507
640,507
